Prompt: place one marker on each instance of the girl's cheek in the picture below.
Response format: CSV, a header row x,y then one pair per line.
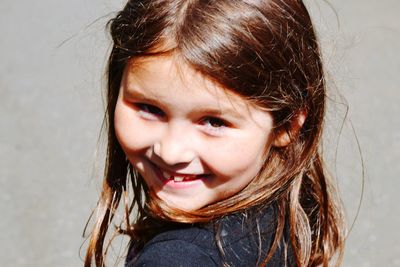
x,y
236,157
132,132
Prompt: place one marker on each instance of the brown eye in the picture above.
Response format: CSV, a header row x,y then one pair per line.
x,y
214,122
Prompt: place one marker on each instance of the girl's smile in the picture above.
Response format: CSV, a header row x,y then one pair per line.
x,y
193,142
178,180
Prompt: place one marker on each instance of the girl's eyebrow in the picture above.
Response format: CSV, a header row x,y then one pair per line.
x,y
137,95
218,112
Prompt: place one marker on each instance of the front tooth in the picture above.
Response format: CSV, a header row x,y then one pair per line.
x,y
167,175
178,178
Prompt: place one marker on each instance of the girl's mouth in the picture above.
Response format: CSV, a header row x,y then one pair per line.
x,y
180,177
168,177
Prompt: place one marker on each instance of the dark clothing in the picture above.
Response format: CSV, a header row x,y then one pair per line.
x,y
245,238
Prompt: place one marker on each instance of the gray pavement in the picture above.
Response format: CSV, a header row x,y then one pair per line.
x,y
52,60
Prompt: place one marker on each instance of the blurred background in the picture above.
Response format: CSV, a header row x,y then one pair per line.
x,y
53,55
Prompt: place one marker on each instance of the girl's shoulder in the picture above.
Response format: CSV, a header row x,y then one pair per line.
x,y
245,239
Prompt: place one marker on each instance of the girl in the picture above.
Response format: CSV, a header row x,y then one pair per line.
x,y
215,113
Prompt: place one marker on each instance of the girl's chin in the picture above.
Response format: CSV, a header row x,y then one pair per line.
x,y
180,203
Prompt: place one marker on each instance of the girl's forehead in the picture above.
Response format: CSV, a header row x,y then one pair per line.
x,y
170,74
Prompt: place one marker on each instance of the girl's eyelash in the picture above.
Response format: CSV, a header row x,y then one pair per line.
x,y
148,109
214,126
214,122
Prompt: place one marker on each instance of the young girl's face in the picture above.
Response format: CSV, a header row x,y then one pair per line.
x,y
193,142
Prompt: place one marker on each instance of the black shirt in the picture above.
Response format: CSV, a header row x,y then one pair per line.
x,y
246,238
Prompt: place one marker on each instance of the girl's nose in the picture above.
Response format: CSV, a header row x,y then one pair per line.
x,y
175,146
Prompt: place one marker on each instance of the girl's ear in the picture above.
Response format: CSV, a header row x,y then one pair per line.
x,y
285,136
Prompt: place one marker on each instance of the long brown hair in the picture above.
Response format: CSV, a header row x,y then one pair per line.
x,y
264,50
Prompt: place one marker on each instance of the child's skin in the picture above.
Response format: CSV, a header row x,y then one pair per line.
x,y
171,120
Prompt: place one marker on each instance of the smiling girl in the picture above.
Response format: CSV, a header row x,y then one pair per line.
x,y
215,113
